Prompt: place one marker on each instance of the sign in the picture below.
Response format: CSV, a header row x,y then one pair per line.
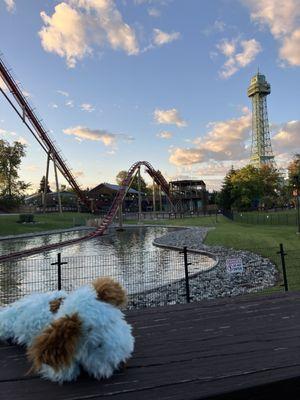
x,y
234,266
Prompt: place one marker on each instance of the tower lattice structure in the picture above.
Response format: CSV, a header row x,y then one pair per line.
x,y
261,150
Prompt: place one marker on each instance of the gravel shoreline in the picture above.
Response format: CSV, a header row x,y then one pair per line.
x,y
259,273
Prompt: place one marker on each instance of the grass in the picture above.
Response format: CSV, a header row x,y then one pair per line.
x,y
236,235
44,222
261,239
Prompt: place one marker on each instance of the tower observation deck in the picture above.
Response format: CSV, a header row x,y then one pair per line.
x,y
261,150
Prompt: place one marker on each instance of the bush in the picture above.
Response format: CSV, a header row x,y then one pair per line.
x,y
26,218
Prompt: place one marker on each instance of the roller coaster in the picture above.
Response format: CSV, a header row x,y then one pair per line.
x,y
18,101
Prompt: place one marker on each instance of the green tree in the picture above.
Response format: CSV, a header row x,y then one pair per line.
x,y
42,186
11,188
294,176
225,198
294,170
250,187
123,174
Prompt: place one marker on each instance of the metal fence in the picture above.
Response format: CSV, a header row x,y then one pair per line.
x,y
153,278
147,276
265,218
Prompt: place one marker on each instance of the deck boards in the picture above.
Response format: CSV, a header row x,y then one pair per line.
x,y
194,351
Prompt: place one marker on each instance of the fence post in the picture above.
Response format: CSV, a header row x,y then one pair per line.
x,y
282,256
59,263
186,272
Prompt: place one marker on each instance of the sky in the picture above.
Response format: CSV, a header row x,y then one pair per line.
x,y
117,81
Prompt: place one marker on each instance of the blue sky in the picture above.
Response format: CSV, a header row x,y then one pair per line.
x,y
159,80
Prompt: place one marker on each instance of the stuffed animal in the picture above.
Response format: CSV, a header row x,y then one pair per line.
x,y
64,332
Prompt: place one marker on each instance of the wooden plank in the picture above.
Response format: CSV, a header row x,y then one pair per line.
x,y
184,352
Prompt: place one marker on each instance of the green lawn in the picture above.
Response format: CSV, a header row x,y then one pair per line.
x,y
261,239
44,222
236,235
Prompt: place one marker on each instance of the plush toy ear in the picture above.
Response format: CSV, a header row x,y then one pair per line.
x,y
110,291
56,345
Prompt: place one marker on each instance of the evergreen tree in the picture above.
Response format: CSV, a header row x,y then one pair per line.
x,y
42,186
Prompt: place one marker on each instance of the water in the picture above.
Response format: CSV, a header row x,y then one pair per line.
x,y
128,256
135,239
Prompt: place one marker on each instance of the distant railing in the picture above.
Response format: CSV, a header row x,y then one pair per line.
x,y
266,218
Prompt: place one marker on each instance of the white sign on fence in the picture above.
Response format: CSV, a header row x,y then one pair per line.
x,y
234,266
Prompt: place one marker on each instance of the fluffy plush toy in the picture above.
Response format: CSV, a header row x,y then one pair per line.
x,y
64,332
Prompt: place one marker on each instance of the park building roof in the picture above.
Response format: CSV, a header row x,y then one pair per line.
x,y
108,188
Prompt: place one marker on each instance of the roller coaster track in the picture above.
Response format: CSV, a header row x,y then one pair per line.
x,y
108,219
25,111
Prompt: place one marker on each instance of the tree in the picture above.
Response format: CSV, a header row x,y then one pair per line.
x,y
135,185
42,186
294,176
250,188
224,198
11,188
294,170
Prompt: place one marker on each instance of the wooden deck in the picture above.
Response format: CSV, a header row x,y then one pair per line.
x,y
239,348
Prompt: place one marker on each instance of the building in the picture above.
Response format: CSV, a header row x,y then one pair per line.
x,y
69,200
189,195
102,197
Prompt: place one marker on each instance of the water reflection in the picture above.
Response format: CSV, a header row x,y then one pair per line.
x,y
128,256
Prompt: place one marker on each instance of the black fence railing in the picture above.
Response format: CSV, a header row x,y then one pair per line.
x,y
265,218
156,278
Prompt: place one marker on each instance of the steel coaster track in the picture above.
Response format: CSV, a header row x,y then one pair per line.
x,y
26,112
108,219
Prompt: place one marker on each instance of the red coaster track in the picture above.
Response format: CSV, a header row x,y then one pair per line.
x,y
107,220
24,110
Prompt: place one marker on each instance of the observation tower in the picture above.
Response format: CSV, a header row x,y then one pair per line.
x,y
261,150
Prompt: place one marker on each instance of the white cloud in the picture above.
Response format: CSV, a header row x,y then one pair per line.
x,y
77,25
154,12
237,60
6,133
79,174
283,20
107,138
287,137
169,117
290,49
226,140
160,38
22,140
53,105
64,33
10,5
63,93
70,103
165,135
217,26
87,107
227,47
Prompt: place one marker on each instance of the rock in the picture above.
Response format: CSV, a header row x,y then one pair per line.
x,y
259,273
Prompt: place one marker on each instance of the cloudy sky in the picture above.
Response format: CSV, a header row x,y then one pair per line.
x,y
117,81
